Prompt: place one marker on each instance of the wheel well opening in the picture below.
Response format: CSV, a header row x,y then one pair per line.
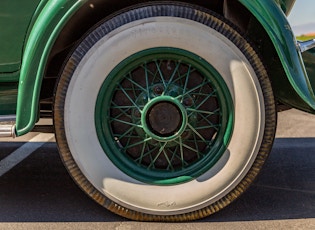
x,y
95,11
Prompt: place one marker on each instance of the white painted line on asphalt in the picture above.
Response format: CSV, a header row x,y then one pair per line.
x,y
24,151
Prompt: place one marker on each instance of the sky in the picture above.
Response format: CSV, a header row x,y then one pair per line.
x,y
303,13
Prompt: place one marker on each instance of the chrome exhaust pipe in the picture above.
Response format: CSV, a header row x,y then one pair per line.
x,y
7,126
307,45
7,131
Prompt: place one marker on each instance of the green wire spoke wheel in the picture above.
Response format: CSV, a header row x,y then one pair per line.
x,y
164,112
164,116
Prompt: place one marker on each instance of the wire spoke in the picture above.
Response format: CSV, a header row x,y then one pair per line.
x,y
196,132
123,112
208,127
126,122
147,81
157,155
205,118
168,160
160,72
182,158
130,130
192,90
130,99
205,99
187,78
216,112
174,155
148,153
139,159
185,146
196,145
123,107
135,83
199,92
137,143
173,75
147,70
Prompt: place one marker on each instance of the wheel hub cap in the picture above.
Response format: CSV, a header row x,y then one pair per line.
x,y
164,119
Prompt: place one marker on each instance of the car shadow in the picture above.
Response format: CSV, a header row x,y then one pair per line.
x,y
285,188
39,189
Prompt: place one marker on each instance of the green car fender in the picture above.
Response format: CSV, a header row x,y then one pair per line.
x,y
42,36
274,21
56,13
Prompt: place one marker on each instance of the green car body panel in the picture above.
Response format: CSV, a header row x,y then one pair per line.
x,y
50,21
273,19
13,36
11,48
43,21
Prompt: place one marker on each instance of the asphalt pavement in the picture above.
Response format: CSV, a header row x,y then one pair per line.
x,y
36,191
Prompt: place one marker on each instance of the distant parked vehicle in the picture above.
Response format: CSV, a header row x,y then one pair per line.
x,y
162,110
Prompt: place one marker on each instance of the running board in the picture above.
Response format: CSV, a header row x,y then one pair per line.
x,y
7,126
7,131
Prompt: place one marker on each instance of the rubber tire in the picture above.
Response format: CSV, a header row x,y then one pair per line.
x,y
77,88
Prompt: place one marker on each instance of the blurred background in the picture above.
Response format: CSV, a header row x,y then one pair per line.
x,y
302,19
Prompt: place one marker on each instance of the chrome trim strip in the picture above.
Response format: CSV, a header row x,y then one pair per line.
x,y
4,118
307,45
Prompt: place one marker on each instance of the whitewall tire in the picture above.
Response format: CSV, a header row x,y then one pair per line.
x,y
165,113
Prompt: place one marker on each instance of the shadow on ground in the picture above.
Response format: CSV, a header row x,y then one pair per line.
x,y
40,190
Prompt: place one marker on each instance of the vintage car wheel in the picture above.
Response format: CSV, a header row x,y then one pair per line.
x,y
164,112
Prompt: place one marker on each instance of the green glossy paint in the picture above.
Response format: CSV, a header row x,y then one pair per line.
x,y
8,93
8,96
31,28
44,32
272,18
191,96
15,17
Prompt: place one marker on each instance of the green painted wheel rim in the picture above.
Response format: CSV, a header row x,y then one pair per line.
x,y
164,116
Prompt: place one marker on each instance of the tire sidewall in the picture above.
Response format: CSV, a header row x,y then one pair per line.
x,y
109,51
